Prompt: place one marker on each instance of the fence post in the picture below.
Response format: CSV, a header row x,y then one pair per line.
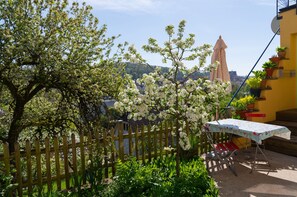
x,y
74,160
65,153
130,141
121,140
161,131
38,166
142,144
6,158
57,161
82,157
155,143
149,145
29,166
136,142
17,155
112,151
105,153
48,164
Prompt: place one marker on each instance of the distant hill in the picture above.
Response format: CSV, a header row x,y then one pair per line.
x,y
137,70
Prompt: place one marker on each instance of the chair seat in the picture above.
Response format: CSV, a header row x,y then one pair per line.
x,y
226,146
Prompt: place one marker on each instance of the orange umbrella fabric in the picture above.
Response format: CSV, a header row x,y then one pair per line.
x,y
221,72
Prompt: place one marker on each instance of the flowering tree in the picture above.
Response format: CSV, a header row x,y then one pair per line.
x,y
55,65
166,97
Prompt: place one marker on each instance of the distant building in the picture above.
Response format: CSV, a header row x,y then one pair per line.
x,y
235,78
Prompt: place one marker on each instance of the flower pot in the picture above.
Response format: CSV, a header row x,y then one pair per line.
x,y
263,84
255,92
250,106
269,72
281,54
275,60
241,114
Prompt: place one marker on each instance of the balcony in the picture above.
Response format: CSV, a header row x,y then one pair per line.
x,y
284,4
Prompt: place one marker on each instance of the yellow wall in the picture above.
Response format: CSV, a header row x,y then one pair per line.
x,y
283,94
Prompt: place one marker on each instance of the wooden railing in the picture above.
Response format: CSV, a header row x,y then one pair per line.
x,y
63,162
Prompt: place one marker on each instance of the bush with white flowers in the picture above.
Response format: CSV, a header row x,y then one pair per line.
x,y
167,97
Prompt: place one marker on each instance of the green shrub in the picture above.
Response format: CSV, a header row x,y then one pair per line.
x,y
6,184
158,178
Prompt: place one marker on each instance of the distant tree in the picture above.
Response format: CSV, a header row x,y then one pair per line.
x,y
56,66
166,96
138,70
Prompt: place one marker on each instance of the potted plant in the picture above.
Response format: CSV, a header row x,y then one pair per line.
x,y
261,74
269,67
240,108
243,105
281,52
275,59
249,100
255,86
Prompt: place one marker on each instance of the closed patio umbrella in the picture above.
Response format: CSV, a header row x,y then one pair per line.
x,y
221,72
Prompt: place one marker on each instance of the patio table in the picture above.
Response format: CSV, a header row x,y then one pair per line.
x,y
253,130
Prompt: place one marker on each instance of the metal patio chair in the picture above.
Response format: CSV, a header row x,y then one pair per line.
x,y
223,152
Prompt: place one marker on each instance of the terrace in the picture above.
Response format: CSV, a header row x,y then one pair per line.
x,y
277,180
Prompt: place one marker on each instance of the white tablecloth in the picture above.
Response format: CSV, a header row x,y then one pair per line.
x,y
252,130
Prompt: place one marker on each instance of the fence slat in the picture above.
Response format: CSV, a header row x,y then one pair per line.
x,y
166,136
82,157
90,150
130,141
121,144
6,158
148,140
142,144
74,160
112,151
57,162
17,155
155,143
171,136
29,167
48,164
38,166
65,157
136,143
105,153
161,139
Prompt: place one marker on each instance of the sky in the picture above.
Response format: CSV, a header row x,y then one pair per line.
x,y
245,25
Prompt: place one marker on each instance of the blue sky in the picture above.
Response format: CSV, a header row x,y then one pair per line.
x,y
245,25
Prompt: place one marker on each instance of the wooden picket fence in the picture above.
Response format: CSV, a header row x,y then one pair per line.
x,y
63,162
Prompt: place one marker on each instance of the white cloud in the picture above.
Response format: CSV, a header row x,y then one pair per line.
x,y
124,5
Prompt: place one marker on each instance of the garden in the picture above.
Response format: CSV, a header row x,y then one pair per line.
x,y
57,136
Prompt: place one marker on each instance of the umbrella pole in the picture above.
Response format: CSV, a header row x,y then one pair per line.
x,y
234,95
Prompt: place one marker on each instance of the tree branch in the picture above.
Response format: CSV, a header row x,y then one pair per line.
x,y
30,95
12,88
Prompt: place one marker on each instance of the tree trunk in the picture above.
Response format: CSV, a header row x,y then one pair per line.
x,y
15,126
177,157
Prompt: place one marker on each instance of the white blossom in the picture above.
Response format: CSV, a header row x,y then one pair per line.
x,y
195,99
